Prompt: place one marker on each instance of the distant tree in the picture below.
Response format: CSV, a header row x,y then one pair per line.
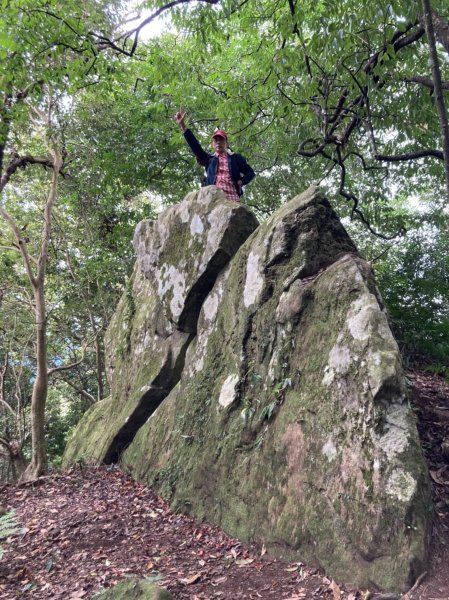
x,y
45,53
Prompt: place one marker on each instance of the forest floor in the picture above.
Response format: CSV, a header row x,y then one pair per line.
x,y
89,528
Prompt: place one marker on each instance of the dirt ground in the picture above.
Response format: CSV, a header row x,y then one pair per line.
x,y
87,529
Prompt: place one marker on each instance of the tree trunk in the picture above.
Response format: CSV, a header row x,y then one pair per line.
x,y
17,464
38,464
438,86
100,368
99,358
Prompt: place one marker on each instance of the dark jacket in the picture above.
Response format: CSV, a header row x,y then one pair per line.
x,y
238,167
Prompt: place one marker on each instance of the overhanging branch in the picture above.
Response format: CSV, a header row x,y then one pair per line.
x,y
410,156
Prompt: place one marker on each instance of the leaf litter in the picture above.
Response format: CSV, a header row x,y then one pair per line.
x,y
86,530
107,527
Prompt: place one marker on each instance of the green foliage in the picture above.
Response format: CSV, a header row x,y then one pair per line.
x,y
63,411
8,526
273,75
413,277
414,281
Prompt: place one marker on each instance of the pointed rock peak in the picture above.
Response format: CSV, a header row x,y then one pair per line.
x,y
184,250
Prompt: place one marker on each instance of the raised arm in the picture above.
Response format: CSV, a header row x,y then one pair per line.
x,y
202,156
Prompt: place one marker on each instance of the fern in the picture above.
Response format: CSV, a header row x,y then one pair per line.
x,y
8,526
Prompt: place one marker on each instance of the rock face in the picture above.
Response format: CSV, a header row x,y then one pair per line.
x,y
281,405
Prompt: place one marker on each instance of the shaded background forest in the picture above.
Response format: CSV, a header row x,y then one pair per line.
x,y
310,92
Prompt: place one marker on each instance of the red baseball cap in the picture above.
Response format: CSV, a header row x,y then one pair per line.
x,y
220,133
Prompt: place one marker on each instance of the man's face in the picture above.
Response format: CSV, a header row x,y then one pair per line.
x,y
219,144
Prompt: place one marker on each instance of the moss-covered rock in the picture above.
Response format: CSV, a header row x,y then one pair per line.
x,y
287,422
134,589
179,257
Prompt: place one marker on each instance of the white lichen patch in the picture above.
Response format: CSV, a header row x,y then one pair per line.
x,y
382,367
210,306
254,280
184,211
329,375
360,316
218,220
339,361
173,280
398,415
206,195
164,233
396,438
272,364
196,225
198,365
278,242
227,393
329,449
401,485
358,277
148,339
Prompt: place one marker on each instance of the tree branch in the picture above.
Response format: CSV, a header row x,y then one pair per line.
x,y
79,390
135,32
438,95
54,370
426,81
355,201
410,155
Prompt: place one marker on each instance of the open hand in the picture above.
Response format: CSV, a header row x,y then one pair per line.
x,y
180,116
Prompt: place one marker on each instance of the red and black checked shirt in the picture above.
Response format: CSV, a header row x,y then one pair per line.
x,y
223,179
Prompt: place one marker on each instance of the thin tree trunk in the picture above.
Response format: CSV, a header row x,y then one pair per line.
x,y
98,357
438,87
38,464
100,368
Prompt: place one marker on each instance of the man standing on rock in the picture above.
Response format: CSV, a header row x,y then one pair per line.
x,y
225,169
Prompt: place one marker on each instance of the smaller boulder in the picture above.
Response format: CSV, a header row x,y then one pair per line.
x,y
135,588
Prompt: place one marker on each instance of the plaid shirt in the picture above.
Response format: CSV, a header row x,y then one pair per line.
x,y
223,180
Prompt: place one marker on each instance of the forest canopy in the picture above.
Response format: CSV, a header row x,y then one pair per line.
x,y
351,96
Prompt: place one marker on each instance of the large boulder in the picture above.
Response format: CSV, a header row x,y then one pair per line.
x,y
289,422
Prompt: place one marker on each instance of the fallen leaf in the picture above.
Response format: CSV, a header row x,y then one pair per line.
x,y
202,562
291,569
244,561
192,579
77,594
437,476
335,590
263,551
